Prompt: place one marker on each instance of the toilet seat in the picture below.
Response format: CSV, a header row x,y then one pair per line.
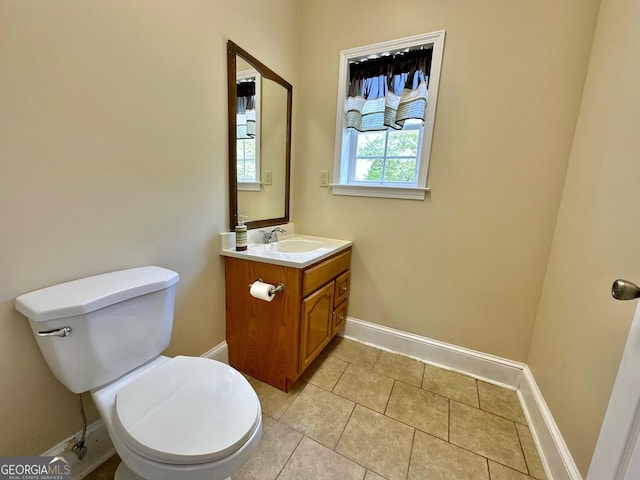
x,y
187,410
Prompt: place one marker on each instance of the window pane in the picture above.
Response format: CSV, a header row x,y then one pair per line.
x,y
370,144
368,170
250,148
246,156
240,150
400,170
403,143
250,171
240,170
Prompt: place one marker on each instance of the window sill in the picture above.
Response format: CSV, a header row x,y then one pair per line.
x,y
249,186
406,193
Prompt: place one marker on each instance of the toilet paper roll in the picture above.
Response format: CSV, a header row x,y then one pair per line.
x,y
261,290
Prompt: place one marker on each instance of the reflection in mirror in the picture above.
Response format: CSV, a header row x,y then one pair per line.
x,y
248,89
259,141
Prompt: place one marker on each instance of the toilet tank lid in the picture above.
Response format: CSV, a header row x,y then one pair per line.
x,y
92,293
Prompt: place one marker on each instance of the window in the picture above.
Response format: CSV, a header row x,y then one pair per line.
x,y
386,157
246,155
386,109
248,89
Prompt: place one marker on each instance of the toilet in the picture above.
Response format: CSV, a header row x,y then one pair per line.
x,y
188,418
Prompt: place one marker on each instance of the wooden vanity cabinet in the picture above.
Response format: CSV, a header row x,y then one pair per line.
x,y
276,341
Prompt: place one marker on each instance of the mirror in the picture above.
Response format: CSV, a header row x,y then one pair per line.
x,y
259,141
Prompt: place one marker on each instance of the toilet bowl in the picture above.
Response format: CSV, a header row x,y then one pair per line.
x,y
188,418
182,417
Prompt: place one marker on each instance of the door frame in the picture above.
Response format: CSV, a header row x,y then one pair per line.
x,y
617,453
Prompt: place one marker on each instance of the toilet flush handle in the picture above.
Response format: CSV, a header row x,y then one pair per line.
x,y
57,332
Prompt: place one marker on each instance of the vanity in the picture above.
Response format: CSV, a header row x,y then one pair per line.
x,y
275,341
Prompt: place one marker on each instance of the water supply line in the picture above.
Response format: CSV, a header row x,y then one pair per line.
x,y
80,449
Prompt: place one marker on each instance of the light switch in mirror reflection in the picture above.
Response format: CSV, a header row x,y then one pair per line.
x,y
259,153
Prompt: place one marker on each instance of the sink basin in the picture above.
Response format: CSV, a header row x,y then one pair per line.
x,y
292,250
296,245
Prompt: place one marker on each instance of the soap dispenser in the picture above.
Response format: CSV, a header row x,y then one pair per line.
x,y
241,234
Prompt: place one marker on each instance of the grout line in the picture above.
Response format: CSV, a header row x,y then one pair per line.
x,y
422,375
413,442
344,428
524,456
510,468
293,401
449,421
340,377
386,405
289,457
479,454
488,412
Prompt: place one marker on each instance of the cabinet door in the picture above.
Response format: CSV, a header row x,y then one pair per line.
x,y
316,323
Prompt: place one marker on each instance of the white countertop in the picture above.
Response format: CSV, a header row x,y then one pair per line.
x,y
267,253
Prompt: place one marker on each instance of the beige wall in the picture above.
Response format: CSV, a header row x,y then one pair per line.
x,y
580,331
466,265
113,148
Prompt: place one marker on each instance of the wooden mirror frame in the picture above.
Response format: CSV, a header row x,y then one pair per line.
x,y
234,50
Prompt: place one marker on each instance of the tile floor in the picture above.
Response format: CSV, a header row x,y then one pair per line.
x,y
365,414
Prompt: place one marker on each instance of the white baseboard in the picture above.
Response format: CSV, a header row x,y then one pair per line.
x,y
470,362
99,445
547,434
99,450
556,458
220,352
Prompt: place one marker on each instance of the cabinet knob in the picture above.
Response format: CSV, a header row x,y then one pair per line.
x,y
343,288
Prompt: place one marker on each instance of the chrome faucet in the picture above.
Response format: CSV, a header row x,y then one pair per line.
x,y
272,236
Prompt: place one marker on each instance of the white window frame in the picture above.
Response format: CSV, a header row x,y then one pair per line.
x,y
255,186
343,143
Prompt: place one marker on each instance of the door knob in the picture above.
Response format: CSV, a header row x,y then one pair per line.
x,y
624,290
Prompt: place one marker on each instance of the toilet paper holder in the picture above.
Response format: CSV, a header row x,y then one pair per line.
x,y
272,291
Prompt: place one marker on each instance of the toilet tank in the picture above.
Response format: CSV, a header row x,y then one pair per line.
x,y
118,321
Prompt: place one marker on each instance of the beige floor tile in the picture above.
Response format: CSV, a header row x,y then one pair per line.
x,y
371,475
314,461
500,472
501,401
353,352
276,445
275,402
420,409
435,459
365,387
325,371
106,471
399,367
456,386
319,414
536,470
486,434
377,442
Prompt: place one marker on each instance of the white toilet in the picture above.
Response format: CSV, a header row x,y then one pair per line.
x,y
169,418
